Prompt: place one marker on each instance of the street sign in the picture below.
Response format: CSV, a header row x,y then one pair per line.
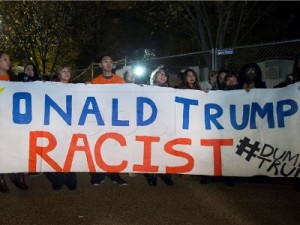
x,y
226,51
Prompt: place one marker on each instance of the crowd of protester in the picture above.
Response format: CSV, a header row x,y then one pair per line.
x,y
248,77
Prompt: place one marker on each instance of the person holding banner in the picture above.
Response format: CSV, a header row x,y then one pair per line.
x,y
251,77
295,78
30,73
57,180
189,80
18,179
107,77
159,77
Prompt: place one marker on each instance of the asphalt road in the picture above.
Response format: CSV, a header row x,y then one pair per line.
x,y
187,202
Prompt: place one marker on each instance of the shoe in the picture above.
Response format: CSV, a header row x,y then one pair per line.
x,y
3,186
18,179
151,179
71,181
120,181
166,178
132,174
97,184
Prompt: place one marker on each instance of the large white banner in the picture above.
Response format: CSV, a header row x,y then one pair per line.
x,y
51,126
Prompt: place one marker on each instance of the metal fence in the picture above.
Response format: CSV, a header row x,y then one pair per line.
x,y
215,59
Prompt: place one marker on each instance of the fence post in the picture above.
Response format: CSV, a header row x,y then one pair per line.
x,y
216,59
92,73
212,59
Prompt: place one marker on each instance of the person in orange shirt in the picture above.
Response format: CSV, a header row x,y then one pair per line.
x,y
17,178
107,77
4,66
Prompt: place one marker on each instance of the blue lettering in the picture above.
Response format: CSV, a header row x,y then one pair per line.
x,y
245,119
66,116
115,113
281,113
94,110
212,118
186,110
262,112
140,111
18,117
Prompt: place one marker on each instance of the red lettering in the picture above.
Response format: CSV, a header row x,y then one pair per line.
x,y
42,151
169,149
99,160
146,166
74,147
217,143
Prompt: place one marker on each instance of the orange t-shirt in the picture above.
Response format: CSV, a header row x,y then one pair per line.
x,y
4,77
114,79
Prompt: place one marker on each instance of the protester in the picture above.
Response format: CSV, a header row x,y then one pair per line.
x,y
30,73
231,82
251,77
159,77
59,179
107,77
295,78
18,179
212,76
189,80
220,79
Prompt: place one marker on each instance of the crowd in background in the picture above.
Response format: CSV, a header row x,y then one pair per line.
x,y
248,77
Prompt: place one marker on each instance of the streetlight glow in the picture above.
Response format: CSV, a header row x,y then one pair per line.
x,y
139,71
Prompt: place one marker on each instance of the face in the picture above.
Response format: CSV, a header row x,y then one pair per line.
x,y
29,70
230,81
251,73
4,62
161,77
106,64
65,75
213,79
190,78
221,77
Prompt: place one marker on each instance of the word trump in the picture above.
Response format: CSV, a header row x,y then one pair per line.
x,y
213,112
94,156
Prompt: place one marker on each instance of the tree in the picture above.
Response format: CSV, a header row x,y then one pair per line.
x,y
220,23
38,32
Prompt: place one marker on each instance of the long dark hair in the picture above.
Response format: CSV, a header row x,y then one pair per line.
x,y
185,85
35,71
243,74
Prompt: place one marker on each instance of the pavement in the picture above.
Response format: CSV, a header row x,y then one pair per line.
x,y
187,202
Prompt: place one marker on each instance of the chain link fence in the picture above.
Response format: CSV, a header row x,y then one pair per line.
x,y
275,60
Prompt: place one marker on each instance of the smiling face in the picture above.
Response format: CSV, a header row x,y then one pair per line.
x,y
4,63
